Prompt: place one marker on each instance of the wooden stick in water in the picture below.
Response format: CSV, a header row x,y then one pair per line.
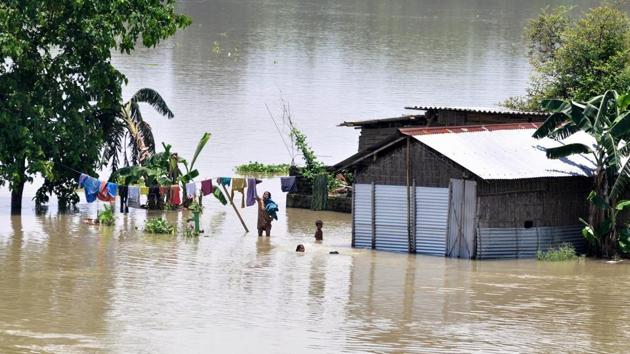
x,y
229,197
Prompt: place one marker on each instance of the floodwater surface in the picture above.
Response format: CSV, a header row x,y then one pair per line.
x,y
69,287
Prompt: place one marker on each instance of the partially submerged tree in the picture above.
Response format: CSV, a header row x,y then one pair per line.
x,y
130,130
576,59
57,80
606,118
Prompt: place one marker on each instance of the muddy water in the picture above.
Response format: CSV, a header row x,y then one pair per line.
x,y
69,287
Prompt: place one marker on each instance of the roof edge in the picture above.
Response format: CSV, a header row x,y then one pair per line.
x,y
457,129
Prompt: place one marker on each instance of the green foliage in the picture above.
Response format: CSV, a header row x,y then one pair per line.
x,y
606,119
58,86
106,216
576,58
313,166
564,252
624,240
260,169
159,226
129,129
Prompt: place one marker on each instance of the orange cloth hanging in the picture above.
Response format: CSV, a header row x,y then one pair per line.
x,y
175,195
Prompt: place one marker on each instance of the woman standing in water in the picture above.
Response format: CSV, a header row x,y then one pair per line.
x,y
267,211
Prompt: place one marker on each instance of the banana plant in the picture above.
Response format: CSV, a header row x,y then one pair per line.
x,y
606,119
191,173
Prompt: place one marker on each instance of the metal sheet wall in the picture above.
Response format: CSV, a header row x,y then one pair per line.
x,y
431,220
524,243
460,239
362,214
392,233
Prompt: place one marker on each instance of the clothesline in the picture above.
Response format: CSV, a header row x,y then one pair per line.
x,y
130,194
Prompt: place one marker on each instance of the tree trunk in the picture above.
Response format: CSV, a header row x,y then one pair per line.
x,y
16,198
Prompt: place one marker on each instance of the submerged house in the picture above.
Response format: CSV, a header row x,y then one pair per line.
x,y
475,191
377,130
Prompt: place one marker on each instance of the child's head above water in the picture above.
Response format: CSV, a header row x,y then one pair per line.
x,y
319,224
299,248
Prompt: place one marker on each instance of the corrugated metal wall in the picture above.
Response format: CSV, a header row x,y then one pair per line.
x,y
460,239
392,233
362,214
524,243
431,220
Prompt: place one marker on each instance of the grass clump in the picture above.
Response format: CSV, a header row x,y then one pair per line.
x,y
257,168
564,252
106,216
159,226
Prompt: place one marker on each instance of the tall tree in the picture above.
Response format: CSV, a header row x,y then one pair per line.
x,y
576,59
57,82
606,118
129,129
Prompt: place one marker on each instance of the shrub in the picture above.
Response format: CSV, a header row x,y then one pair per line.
x,y
158,226
564,252
106,216
257,168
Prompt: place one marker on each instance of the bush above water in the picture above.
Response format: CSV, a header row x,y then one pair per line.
x,y
158,226
564,252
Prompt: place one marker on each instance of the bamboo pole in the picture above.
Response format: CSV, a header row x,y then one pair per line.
x,y
229,197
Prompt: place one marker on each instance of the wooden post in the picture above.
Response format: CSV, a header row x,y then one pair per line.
x,y
229,197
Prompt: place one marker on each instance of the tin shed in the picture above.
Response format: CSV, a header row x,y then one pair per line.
x,y
485,191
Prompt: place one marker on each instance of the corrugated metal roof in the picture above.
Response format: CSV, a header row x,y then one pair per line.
x,y
506,153
487,110
405,118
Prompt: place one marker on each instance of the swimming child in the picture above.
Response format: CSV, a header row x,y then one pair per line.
x,y
299,248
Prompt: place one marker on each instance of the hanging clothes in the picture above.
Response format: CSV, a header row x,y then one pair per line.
x,y
144,190
104,194
91,186
224,181
271,208
251,192
287,184
191,190
175,195
123,192
112,189
219,195
133,197
206,187
238,185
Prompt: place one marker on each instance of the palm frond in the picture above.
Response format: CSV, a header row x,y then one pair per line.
x,y
564,132
200,145
153,98
550,124
567,150
135,113
554,105
579,118
621,183
146,134
621,125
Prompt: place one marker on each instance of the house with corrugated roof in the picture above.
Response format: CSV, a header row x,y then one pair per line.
x,y
374,131
468,191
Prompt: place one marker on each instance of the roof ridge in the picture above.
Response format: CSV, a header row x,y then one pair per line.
x,y
458,129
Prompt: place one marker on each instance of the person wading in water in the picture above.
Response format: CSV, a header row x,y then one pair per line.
x,y
267,210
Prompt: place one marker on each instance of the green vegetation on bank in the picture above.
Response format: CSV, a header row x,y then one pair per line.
x,y
260,169
58,87
606,119
564,252
576,58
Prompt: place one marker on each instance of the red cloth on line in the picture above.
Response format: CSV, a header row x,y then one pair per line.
x,y
206,187
175,195
103,194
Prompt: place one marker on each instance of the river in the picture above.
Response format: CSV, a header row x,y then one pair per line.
x,y
70,287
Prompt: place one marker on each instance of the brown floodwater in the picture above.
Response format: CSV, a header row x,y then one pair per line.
x,y
70,287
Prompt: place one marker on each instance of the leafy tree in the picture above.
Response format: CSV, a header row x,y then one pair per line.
x,y
57,83
129,129
576,59
606,118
